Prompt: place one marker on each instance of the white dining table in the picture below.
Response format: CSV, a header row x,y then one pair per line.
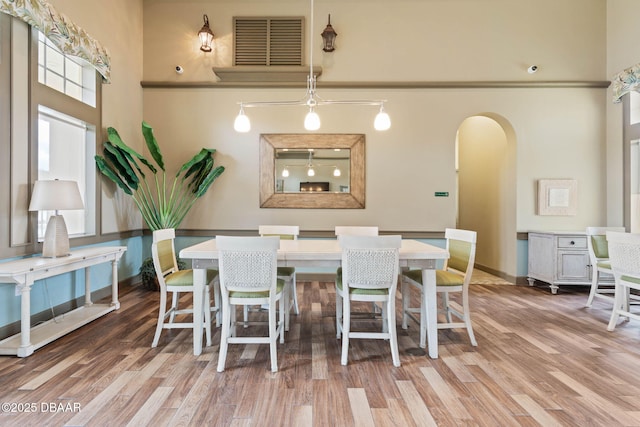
x,y
320,253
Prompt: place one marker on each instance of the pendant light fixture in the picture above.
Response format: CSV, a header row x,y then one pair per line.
x,y
311,100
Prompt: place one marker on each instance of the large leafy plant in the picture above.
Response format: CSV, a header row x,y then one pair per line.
x,y
163,201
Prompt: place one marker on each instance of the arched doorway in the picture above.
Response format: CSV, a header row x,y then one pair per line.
x,y
486,166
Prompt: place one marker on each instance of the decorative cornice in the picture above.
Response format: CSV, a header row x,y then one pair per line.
x,y
562,84
67,36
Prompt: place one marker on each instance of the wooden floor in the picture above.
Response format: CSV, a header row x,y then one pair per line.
x,y
541,359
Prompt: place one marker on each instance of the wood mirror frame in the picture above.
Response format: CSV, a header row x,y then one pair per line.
x,y
352,200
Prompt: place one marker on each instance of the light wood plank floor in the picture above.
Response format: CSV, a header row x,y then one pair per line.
x,y
541,359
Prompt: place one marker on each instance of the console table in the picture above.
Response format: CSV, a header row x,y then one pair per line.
x,y
24,272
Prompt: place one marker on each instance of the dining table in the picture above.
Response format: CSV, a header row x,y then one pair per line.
x,y
414,254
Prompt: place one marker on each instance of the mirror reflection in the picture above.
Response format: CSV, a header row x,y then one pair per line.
x,y
312,170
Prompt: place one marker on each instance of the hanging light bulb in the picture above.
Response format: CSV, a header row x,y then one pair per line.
x,y
285,172
336,172
311,171
382,121
312,120
242,123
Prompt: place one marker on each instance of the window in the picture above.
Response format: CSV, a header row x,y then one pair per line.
x,y
268,41
66,95
71,76
66,147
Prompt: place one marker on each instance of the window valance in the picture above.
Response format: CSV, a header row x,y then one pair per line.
x,y
67,36
626,81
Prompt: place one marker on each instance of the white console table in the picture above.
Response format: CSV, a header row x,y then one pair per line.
x,y
24,272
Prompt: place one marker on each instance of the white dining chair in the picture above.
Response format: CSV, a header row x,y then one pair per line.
x,y
288,274
624,254
170,279
248,276
454,277
369,273
602,285
357,230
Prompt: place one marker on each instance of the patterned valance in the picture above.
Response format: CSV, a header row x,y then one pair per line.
x,y
67,36
625,82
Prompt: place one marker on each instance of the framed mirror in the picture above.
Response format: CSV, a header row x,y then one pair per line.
x,y
324,154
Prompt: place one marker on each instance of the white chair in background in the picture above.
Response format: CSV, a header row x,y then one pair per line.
x,y
369,273
248,276
288,274
624,254
341,230
600,264
454,277
170,279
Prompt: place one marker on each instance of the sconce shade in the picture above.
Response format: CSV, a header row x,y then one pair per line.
x,y
329,37
53,196
206,35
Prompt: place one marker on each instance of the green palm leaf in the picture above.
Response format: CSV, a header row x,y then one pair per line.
x,y
162,204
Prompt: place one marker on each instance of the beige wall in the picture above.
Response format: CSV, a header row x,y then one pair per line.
x,y
117,24
560,131
623,51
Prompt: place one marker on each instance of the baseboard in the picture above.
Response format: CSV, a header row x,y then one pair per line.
x,y
509,278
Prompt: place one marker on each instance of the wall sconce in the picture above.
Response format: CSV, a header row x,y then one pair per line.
x,y
206,35
329,37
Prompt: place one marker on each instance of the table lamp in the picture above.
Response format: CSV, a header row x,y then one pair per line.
x,y
55,195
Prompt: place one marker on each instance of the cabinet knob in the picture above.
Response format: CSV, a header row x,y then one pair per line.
x,y
572,242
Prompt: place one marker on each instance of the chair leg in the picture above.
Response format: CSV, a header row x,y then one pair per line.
x,y
174,306
233,322
467,318
594,288
245,316
217,300
346,328
445,306
385,318
285,305
338,314
423,319
294,288
283,313
161,314
272,335
617,305
406,297
224,336
207,315
393,336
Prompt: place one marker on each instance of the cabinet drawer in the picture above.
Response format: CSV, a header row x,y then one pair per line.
x,y
575,242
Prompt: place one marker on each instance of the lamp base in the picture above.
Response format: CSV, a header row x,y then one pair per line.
x,y
56,238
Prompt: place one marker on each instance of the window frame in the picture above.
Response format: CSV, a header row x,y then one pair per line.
x,y
43,95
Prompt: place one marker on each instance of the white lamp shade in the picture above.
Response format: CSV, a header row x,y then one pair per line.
x,y
55,195
242,123
312,121
382,121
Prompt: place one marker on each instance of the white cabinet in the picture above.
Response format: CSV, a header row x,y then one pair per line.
x,y
559,258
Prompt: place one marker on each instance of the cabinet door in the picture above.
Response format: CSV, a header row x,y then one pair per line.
x,y
573,266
